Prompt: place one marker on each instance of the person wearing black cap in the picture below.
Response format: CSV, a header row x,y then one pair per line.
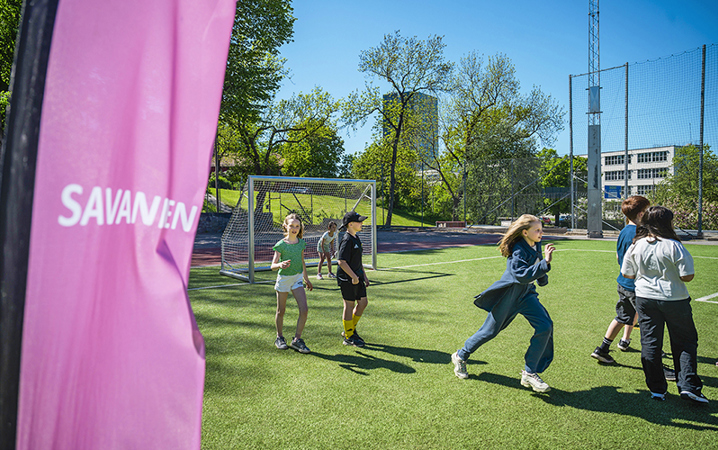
x,y
351,277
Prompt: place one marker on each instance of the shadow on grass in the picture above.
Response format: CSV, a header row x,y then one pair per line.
x,y
416,355
409,280
360,363
673,412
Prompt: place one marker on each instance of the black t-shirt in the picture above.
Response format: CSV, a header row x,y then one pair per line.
x,y
350,250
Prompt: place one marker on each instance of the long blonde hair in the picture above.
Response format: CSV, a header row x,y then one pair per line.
x,y
285,225
515,232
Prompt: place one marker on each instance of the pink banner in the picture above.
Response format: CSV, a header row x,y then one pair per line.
x,y
111,353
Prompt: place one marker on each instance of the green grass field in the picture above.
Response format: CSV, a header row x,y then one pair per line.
x,y
292,202
400,391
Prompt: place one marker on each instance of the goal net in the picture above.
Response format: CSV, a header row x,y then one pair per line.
x,y
248,240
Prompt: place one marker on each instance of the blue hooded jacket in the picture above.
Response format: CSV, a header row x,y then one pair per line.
x,y
522,269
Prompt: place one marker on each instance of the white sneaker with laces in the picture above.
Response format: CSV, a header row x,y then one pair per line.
x,y
319,276
534,381
459,366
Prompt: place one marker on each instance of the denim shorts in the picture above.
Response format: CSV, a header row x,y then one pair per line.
x,y
626,306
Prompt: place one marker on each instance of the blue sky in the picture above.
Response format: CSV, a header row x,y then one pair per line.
x,y
546,40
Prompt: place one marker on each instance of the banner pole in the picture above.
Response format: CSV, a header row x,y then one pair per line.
x,y
18,159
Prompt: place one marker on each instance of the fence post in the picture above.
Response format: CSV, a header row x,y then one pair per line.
x,y
625,155
700,151
570,146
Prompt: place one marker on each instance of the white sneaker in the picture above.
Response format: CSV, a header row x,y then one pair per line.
x,y
459,366
319,276
624,344
534,381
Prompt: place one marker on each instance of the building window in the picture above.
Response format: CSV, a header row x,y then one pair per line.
x,y
652,157
656,172
615,160
615,175
644,190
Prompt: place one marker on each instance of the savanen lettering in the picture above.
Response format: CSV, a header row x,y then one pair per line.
x,y
108,207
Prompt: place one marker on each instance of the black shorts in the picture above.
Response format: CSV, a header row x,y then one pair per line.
x,y
352,292
626,306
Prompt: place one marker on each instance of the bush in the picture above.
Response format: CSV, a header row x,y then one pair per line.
x,y
223,183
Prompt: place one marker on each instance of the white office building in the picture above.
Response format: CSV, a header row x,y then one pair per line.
x,y
647,167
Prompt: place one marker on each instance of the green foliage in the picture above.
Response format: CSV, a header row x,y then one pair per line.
x,y
555,175
314,155
679,192
410,67
254,68
224,183
9,23
375,163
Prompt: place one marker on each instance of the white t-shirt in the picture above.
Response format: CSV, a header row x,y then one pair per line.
x,y
327,240
658,265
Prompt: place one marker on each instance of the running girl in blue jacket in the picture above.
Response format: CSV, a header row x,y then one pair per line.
x,y
515,293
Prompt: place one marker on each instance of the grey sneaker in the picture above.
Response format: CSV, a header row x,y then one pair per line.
x,y
357,338
695,397
281,343
352,340
623,344
603,357
459,366
298,345
534,381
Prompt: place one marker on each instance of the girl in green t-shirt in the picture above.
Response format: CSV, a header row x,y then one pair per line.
x,y
289,260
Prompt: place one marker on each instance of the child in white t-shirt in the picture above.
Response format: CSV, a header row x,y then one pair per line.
x,y
325,248
661,267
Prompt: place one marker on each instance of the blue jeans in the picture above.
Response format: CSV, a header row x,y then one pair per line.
x,y
540,352
653,317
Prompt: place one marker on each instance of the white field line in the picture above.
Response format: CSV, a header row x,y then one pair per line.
x,y
707,297
484,258
702,299
440,263
229,285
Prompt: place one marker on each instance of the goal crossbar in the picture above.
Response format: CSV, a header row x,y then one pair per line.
x,y
248,239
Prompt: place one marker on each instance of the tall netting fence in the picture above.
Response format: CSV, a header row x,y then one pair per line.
x,y
649,110
501,189
249,238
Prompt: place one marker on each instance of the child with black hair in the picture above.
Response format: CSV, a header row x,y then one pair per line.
x,y
515,294
661,266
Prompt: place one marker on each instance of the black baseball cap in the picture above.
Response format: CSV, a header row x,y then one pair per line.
x,y
352,216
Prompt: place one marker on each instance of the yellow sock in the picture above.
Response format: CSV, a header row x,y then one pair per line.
x,y
355,319
348,328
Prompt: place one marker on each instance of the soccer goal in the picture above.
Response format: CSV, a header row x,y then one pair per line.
x,y
248,239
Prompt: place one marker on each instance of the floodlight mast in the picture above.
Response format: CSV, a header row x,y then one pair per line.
x,y
594,225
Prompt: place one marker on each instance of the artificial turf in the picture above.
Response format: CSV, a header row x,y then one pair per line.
x,y
400,390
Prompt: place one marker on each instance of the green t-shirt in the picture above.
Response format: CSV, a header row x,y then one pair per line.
x,y
292,252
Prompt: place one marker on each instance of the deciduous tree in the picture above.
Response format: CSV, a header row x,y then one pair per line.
x,y
410,66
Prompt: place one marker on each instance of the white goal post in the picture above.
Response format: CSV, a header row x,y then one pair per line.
x,y
248,239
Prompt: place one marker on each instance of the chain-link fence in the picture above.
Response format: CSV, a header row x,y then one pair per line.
x,y
648,109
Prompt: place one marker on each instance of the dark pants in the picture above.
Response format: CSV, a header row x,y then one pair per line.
x,y
653,315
